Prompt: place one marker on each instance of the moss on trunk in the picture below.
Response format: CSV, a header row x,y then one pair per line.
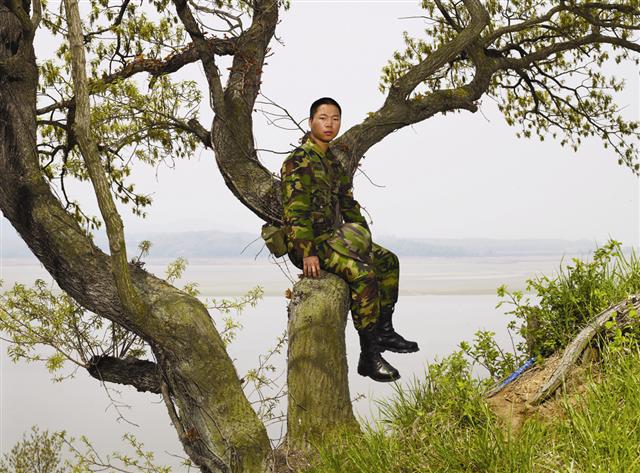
x,y
319,399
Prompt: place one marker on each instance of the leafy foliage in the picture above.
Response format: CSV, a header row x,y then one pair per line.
x,y
37,317
40,453
127,122
33,318
572,298
443,424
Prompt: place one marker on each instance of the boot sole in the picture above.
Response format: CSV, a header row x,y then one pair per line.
x,y
380,380
395,350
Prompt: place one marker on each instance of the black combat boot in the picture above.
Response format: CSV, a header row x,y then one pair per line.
x,y
371,363
388,339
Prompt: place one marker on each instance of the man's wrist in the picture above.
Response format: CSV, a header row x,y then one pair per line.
x,y
306,248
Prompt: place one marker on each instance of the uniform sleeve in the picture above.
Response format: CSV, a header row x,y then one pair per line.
x,y
296,177
349,207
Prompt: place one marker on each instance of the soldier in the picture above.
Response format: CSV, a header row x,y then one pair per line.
x,y
317,196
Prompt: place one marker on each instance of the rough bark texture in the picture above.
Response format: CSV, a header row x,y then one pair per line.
x,y
317,380
141,374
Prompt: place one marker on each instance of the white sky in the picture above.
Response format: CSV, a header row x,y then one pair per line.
x,y
456,176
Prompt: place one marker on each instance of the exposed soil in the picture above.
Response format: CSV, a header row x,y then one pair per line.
x,y
512,404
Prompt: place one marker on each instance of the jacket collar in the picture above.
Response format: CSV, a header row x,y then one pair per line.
x,y
309,144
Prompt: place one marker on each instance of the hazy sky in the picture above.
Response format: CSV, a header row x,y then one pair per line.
x,y
454,176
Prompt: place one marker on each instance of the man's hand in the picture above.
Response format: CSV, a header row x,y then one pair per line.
x,y
311,266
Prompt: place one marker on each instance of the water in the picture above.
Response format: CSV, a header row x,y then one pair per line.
x,y
442,302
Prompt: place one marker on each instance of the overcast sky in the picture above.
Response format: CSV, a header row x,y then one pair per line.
x,y
455,176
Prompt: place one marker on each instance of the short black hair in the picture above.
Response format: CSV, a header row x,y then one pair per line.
x,y
322,101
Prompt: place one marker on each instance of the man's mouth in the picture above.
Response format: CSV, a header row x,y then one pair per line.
x,y
328,132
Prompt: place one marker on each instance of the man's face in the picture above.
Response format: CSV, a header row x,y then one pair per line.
x,y
325,124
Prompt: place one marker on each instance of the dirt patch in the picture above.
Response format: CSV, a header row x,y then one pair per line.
x,y
513,403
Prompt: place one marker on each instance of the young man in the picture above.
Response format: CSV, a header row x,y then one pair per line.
x,y
317,195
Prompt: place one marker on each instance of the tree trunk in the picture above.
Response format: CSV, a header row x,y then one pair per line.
x,y
317,380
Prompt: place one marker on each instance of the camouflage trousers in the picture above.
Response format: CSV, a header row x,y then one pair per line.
x,y
374,287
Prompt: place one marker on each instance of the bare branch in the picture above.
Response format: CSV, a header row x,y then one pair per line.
x,y
512,28
543,53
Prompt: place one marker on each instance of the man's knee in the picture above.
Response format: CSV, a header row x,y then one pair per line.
x,y
385,259
393,261
349,269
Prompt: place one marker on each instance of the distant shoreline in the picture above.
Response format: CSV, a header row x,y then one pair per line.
x,y
195,245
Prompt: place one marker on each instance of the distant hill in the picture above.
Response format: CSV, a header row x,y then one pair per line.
x,y
212,244
485,246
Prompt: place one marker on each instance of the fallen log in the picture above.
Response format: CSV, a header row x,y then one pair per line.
x,y
573,351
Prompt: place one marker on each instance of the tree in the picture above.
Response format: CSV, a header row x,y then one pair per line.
x,y
544,62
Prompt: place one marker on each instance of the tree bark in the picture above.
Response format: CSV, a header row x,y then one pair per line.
x,y
317,381
141,374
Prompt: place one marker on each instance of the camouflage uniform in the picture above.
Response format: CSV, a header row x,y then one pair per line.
x,y
317,196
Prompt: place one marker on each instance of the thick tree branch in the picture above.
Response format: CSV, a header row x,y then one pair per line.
x,y
15,6
13,68
450,21
232,133
178,329
205,54
143,375
195,127
246,71
404,85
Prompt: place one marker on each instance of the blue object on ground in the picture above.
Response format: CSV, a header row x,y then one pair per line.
x,y
528,364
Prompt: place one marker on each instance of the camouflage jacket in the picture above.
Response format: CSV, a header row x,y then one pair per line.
x,y
316,195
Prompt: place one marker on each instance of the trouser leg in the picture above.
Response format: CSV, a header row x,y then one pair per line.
x,y
387,268
365,310
363,284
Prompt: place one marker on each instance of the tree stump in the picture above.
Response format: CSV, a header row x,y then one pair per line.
x,y
318,386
